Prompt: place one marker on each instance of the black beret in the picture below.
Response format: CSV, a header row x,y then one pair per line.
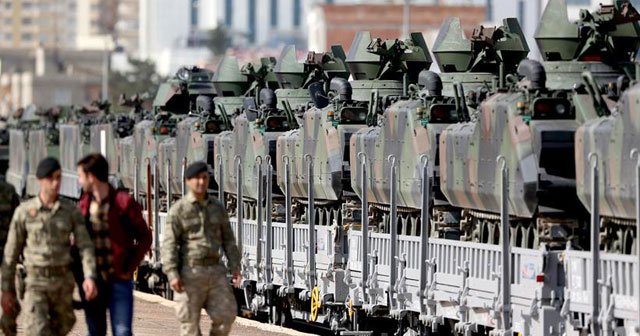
x,y
47,167
195,169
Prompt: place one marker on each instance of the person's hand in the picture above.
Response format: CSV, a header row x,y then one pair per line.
x,y
90,289
9,303
177,285
237,278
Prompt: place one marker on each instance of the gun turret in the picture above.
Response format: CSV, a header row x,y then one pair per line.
x,y
317,67
487,50
387,59
609,34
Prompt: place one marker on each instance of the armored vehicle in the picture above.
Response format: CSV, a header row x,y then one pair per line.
x,y
532,127
42,141
410,128
19,125
610,132
89,129
142,154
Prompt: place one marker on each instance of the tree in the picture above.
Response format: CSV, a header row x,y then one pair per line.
x,y
141,79
219,40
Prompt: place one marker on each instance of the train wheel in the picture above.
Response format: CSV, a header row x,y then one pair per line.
x,y
315,303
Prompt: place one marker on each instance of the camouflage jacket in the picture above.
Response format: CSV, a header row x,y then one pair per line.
x,y
9,201
43,236
194,234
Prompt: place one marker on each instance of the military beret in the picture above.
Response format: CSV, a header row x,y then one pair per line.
x,y
195,169
47,167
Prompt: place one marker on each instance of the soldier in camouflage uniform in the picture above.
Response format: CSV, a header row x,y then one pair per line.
x,y
41,230
197,229
9,201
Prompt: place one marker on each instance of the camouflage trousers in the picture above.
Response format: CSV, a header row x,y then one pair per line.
x,y
48,309
205,287
8,324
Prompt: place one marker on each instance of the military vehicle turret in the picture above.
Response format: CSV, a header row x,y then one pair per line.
x,y
294,78
601,42
481,62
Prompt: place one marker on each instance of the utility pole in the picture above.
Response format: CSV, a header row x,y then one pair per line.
x,y
106,55
405,19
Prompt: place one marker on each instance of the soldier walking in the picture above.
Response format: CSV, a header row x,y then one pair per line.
x,y
41,230
9,201
197,229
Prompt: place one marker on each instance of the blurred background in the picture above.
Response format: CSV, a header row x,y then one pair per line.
x,y
63,52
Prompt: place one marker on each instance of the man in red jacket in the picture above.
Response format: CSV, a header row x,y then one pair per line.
x,y
121,238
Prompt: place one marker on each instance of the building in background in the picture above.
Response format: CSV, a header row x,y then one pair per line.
x,y
337,24
126,29
273,23
64,24
27,24
166,35
47,77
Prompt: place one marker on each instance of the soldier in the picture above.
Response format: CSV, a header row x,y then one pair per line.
x,y
41,230
197,228
9,201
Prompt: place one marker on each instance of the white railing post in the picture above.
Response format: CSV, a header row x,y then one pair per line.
x,y
269,238
311,220
239,202
424,230
364,222
506,246
288,220
595,245
393,223
635,154
259,200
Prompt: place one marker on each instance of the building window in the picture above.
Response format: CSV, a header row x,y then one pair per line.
x,y
252,21
7,5
27,36
274,13
297,12
228,13
27,21
194,13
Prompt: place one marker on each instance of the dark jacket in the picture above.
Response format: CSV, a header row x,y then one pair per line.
x,y
129,234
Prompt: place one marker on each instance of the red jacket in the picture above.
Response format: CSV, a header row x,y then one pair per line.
x,y
129,234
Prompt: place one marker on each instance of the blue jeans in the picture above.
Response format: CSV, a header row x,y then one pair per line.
x,y
117,297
